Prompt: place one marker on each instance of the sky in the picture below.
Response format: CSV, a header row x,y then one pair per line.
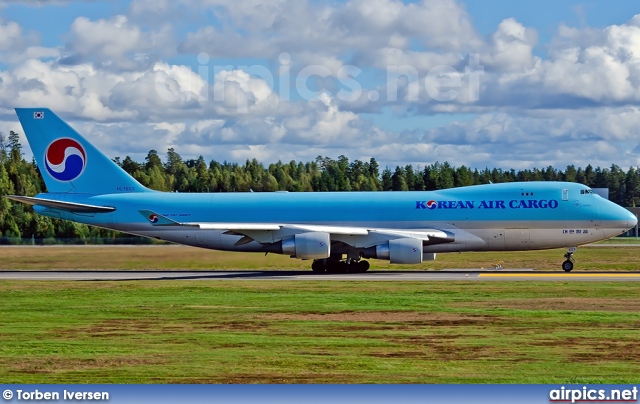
x,y
493,83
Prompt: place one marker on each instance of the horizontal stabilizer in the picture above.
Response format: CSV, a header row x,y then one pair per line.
x,y
159,220
68,206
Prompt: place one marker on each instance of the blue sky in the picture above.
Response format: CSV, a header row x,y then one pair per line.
x,y
52,20
558,82
546,15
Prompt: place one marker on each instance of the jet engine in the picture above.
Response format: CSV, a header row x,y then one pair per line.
x,y
313,245
398,251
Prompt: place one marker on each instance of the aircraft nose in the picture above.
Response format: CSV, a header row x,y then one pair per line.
x,y
632,220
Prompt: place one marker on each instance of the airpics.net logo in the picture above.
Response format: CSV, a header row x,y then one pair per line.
x,y
238,87
591,395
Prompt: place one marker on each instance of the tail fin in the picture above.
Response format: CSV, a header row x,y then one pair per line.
x,y
67,161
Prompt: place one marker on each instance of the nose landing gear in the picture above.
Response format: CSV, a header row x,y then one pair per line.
x,y
567,265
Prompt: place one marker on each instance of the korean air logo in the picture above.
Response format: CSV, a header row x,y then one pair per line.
x,y
65,159
153,218
432,204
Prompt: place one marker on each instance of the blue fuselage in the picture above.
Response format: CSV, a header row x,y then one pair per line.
x,y
510,216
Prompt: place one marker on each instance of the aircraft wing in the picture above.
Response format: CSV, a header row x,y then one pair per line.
x,y
157,219
270,232
68,206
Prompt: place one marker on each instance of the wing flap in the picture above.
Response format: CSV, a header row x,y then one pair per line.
x,y
346,230
236,227
420,234
68,206
157,219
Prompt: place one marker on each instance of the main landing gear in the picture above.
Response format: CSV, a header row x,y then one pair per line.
x,y
567,266
339,267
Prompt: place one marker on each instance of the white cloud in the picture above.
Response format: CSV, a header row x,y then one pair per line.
x,y
511,47
10,33
116,43
149,7
358,26
584,67
17,46
119,80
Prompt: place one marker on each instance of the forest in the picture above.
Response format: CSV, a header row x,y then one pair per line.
x,y
19,224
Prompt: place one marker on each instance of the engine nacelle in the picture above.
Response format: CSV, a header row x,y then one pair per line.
x,y
398,251
314,245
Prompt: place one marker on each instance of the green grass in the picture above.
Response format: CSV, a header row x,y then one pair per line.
x,y
620,240
333,332
179,257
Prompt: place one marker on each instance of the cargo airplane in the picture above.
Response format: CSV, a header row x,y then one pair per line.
x,y
337,230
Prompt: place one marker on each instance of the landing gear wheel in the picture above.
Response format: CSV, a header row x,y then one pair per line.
x,y
333,266
363,266
318,266
567,266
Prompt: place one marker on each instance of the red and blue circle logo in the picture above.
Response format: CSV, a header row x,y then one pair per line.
x,y
432,204
65,159
153,218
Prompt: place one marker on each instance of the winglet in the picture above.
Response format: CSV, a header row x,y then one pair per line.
x,y
157,219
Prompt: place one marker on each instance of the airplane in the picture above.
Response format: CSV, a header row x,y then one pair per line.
x,y
337,230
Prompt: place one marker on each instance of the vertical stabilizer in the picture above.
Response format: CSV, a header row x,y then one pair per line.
x,y
67,161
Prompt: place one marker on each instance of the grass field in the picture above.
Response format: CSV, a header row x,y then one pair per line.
x,y
329,332
179,257
315,331
621,240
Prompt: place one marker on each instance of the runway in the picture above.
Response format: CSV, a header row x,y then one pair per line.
x,y
447,275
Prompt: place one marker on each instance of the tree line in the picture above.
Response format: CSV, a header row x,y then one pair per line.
x,y
175,174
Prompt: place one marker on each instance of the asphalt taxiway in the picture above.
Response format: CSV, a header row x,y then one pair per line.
x,y
398,275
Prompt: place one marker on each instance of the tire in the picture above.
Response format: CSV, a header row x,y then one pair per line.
x,y
332,267
363,266
318,266
567,266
